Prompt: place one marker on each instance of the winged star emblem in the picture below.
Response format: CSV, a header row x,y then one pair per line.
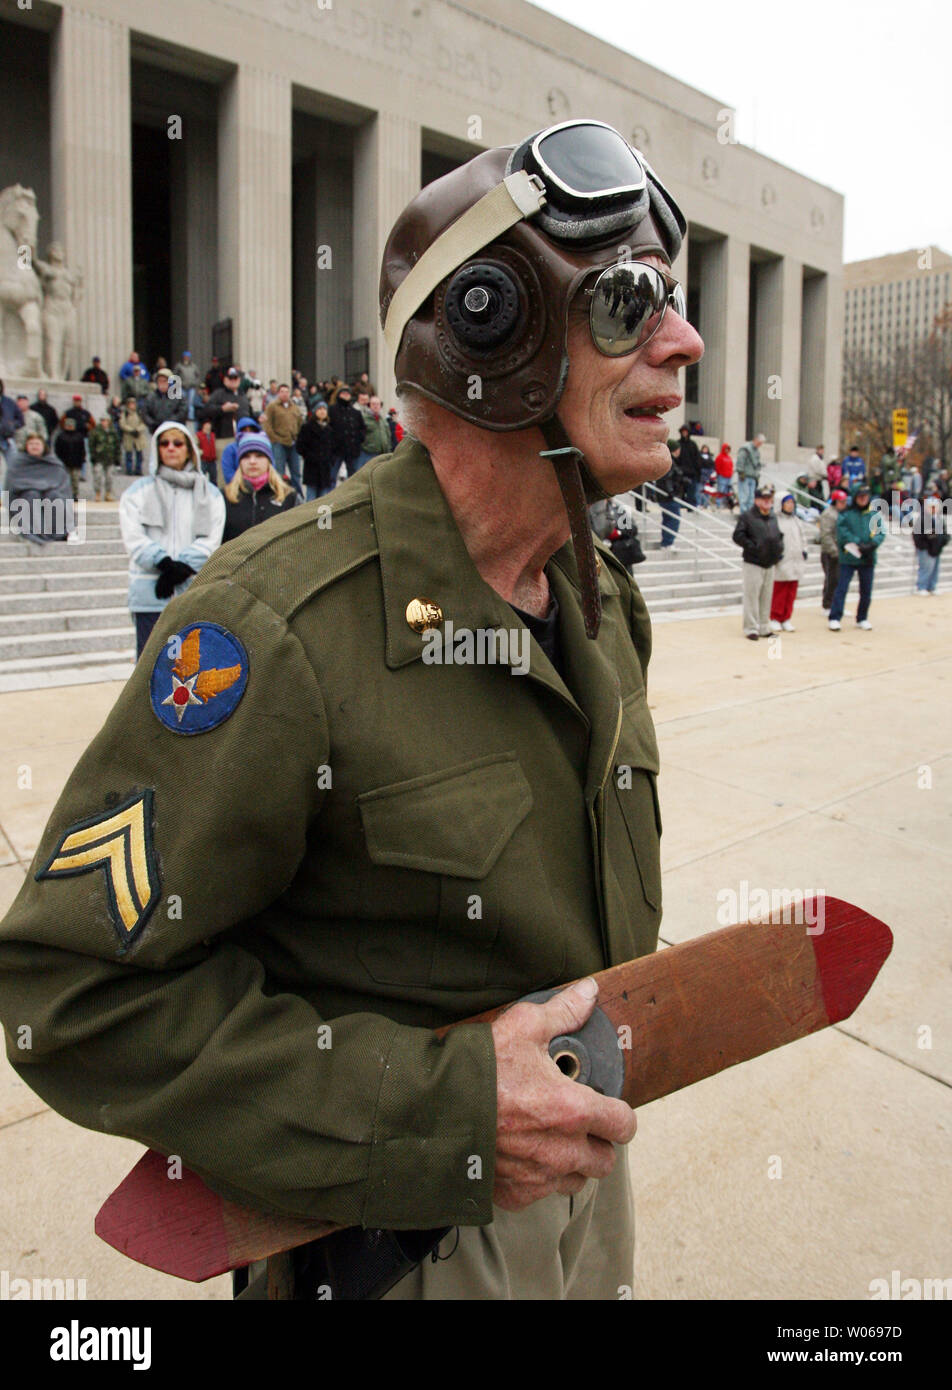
x,y
190,684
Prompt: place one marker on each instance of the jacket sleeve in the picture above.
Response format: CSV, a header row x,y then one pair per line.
x,y
140,546
174,1036
741,532
203,546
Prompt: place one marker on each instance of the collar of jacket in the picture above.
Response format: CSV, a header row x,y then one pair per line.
x,y
423,556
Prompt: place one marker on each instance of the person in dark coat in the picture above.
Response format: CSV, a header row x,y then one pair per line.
x,y
39,493
70,449
214,379
348,426
224,408
758,534
317,446
669,492
257,492
42,407
689,464
160,406
97,376
930,540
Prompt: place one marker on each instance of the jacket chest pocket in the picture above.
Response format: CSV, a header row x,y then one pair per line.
x,y
474,905
635,777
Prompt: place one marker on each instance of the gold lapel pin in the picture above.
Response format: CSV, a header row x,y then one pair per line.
x,y
423,613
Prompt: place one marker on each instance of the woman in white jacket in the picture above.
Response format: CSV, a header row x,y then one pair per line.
x,y
172,521
790,569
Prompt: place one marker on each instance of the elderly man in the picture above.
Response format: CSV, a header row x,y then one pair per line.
x,y
33,423
407,833
163,405
748,471
758,534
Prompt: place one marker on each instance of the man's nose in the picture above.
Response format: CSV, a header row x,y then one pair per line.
x,y
676,338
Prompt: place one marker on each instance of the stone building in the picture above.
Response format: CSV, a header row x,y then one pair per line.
x,y
213,160
894,299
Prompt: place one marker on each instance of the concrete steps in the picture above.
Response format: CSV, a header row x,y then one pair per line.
x,y
64,621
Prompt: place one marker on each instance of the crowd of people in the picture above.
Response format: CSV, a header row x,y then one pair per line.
x,y
211,457
219,453
838,496
320,432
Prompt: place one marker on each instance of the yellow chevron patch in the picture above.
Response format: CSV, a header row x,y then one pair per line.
x,y
119,842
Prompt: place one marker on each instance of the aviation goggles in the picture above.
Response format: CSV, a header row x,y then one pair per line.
x,y
579,182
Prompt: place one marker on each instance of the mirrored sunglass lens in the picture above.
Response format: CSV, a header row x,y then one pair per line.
x,y
590,159
679,303
625,299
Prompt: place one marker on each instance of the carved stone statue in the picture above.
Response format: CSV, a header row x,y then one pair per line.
x,y
63,288
20,291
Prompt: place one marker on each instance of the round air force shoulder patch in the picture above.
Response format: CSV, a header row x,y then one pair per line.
x,y
198,678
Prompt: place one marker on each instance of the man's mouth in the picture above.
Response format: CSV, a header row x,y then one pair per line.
x,y
653,410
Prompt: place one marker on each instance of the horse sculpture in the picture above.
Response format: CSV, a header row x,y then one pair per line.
x,y
21,295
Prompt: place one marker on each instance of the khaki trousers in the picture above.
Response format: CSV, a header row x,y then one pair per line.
x,y
758,589
578,1247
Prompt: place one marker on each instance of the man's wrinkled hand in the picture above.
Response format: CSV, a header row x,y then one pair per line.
x,y
552,1134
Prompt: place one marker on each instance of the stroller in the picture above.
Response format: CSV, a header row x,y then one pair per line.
x,y
720,493
623,541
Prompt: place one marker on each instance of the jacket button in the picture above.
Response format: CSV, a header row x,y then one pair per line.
x,y
423,613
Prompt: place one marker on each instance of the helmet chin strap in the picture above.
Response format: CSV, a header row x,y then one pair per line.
x,y
578,489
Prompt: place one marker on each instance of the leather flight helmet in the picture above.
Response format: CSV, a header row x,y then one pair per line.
x,y
481,267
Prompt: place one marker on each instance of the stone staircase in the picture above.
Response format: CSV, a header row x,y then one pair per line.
x,y
63,613
64,620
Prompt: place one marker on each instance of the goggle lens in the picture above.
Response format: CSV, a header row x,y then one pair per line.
x,y
628,304
589,160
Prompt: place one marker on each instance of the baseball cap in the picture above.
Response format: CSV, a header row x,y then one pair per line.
x,y
77,397
765,491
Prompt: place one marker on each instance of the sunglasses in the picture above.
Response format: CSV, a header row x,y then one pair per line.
x,y
628,304
166,443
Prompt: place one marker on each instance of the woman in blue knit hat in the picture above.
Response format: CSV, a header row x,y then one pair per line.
x,y
257,492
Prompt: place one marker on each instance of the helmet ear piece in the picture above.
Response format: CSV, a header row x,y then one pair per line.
x,y
482,305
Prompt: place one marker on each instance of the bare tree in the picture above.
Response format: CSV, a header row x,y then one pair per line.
x,y
894,375
932,372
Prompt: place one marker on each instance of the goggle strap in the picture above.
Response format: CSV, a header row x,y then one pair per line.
x,y
519,195
569,463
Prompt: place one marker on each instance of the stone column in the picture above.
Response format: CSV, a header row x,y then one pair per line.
x,y
254,218
775,385
201,235
386,176
91,179
813,358
324,260
722,387
832,330
791,317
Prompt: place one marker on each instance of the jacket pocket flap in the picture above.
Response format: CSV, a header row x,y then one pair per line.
x,y
457,821
637,745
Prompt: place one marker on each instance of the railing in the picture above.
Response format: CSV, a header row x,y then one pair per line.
x,y
693,517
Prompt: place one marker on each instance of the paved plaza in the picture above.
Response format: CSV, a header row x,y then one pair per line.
x,y
825,764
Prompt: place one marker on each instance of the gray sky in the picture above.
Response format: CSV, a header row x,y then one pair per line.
x,y
853,93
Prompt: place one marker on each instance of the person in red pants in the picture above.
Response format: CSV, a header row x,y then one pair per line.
x,y
790,568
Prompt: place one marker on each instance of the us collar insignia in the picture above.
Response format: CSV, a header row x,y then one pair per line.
x,y
198,679
118,841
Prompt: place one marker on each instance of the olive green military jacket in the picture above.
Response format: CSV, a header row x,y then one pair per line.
x,y
297,846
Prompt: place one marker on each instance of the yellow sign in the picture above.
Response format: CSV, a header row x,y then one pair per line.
x,y
900,427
